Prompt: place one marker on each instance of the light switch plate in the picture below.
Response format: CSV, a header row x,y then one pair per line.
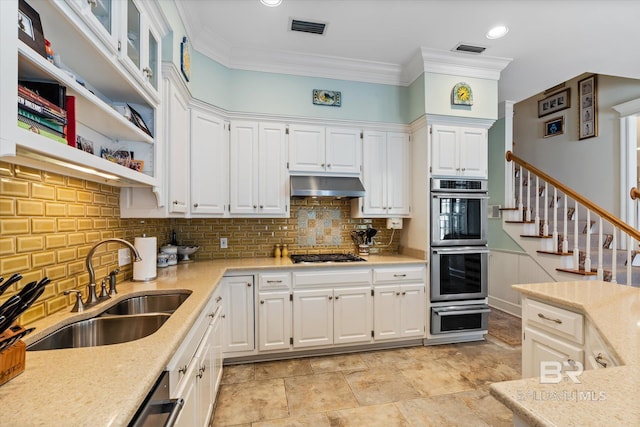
x,y
223,243
124,257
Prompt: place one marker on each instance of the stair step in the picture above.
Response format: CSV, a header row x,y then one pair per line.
x,y
508,209
556,253
537,236
579,272
518,222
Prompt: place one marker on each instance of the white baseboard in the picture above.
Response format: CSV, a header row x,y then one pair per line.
x,y
506,306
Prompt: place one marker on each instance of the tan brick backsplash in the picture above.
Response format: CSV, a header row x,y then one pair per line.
x,y
54,240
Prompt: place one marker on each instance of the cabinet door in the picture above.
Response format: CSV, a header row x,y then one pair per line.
x,y
238,308
343,150
412,310
217,340
306,148
204,379
273,185
274,320
474,155
188,391
100,16
444,151
374,173
398,174
539,346
386,309
209,164
244,170
177,122
312,318
352,315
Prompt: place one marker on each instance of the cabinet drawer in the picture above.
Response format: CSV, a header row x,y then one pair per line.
x,y
562,322
274,281
346,276
414,273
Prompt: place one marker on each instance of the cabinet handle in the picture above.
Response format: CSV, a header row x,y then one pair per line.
x,y
321,165
330,298
248,285
201,371
219,298
542,316
599,360
195,205
175,202
464,169
329,165
399,275
147,71
337,297
93,3
274,281
255,207
262,302
183,370
212,315
224,316
404,293
397,293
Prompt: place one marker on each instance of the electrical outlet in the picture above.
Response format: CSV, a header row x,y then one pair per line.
x,y
223,243
124,257
395,223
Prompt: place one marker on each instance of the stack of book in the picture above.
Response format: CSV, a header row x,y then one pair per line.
x,y
40,115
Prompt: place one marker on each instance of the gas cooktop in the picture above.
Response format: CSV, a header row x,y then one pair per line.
x,y
325,258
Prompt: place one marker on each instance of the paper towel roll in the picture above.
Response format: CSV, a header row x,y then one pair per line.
x,y
145,270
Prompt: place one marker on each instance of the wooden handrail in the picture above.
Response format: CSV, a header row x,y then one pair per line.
x,y
577,197
634,193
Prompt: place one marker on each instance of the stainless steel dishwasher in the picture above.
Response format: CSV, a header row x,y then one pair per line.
x,y
158,410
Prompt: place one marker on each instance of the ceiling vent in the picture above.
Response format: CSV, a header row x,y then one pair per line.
x,y
467,48
308,26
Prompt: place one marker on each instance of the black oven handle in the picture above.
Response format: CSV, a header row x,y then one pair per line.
x,y
461,250
455,311
483,195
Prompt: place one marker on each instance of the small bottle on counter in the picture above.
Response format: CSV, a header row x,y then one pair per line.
x,y
276,252
285,251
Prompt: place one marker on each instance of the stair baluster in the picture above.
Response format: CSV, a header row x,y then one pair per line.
x,y
520,202
555,220
576,244
614,256
565,221
600,261
545,227
587,255
528,216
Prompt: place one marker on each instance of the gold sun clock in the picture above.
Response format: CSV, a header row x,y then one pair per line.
x,y
462,94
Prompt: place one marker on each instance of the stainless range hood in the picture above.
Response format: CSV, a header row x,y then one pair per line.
x,y
326,186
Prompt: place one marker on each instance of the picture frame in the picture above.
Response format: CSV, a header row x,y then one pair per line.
x,y
554,127
185,59
332,98
588,108
556,102
30,28
137,120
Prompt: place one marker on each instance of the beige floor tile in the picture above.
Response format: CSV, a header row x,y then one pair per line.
x,y
487,407
371,416
250,402
283,368
314,420
440,411
376,386
337,363
233,374
311,394
400,358
436,377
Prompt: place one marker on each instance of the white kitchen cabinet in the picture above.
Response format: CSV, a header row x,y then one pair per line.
x,y
550,334
259,180
209,163
386,175
324,317
238,308
459,151
102,17
315,149
399,311
274,320
177,119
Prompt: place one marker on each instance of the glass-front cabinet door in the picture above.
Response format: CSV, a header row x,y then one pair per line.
x,y
133,33
151,71
101,17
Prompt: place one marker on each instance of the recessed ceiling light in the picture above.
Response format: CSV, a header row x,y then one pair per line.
x,y
271,3
497,32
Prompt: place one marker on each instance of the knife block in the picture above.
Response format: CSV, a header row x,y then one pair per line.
x,y
12,359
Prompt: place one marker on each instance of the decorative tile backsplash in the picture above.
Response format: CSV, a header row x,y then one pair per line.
x,y
49,222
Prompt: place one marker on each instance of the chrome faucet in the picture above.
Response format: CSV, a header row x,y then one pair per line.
x,y
92,297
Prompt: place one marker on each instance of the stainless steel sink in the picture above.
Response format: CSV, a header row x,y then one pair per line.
x,y
161,303
99,331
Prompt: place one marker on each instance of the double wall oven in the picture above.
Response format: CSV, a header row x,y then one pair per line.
x,y
459,256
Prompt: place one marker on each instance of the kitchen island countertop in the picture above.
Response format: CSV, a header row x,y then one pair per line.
x,y
105,385
604,396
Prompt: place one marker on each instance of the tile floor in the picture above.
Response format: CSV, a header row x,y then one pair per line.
x,y
445,385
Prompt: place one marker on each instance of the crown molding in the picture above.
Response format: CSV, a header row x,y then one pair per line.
x,y
459,121
462,64
628,108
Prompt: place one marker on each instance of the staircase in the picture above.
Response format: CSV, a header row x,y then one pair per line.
x,y
570,237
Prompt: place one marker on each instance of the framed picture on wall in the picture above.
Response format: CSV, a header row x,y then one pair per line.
x,y
30,28
185,59
554,127
557,102
588,108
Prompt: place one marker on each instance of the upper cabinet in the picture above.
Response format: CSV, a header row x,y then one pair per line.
x,y
386,175
320,150
259,180
459,151
115,116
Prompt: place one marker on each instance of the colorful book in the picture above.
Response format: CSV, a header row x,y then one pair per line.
x,y
71,120
33,128
40,110
48,90
40,126
34,97
42,120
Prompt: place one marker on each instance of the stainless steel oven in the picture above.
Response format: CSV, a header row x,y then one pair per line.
x,y
458,212
459,273
461,316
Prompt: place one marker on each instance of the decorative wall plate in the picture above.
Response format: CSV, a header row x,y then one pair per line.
x,y
462,94
185,59
327,97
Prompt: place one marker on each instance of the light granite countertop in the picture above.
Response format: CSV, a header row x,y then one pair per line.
x,y
104,386
604,396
